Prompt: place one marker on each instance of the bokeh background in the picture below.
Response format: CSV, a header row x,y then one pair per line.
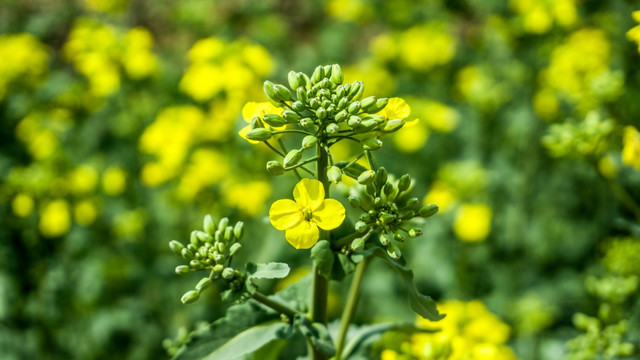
x,y
119,123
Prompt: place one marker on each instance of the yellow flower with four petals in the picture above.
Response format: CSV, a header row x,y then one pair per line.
x,y
301,218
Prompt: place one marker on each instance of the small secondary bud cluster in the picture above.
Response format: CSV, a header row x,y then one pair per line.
x,y
385,211
212,250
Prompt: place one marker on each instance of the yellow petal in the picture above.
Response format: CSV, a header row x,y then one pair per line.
x,y
396,108
329,215
309,193
284,214
249,110
303,235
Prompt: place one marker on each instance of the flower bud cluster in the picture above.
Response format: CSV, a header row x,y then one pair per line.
x,y
386,212
211,250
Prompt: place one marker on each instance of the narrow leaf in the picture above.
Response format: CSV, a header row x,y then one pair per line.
x,y
247,341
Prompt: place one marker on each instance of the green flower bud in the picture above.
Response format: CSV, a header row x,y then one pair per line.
x,y
228,273
412,202
314,103
208,225
353,201
393,125
393,251
371,144
341,116
356,91
187,254
398,237
381,176
387,218
379,105
259,134
305,82
357,244
340,91
321,113
354,107
274,120
404,182
354,121
183,270
336,74
334,174
318,74
307,123
301,94
379,119
332,129
190,296
327,71
238,230
176,246
365,217
234,249
367,102
388,189
384,240
371,190
221,247
361,227
195,264
193,239
428,210
282,93
325,84
309,141
228,234
224,222
203,284
218,235
275,168
407,214
218,269
292,158
290,116
415,232
366,177
294,79
269,90
365,125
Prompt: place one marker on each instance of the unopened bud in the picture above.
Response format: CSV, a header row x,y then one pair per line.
x,y
228,234
224,222
371,144
292,158
301,94
404,182
309,141
414,232
221,247
193,239
354,121
379,105
336,74
190,296
334,174
384,239
428,210
274,120
204,237
275,168
176,246
407,214
321,113
388,188
235,248
203,284
393,125
307,123
341,116
218,269
381,176
366,177
269,90
238,230
398,237
187,254
356,90
387,218
318,74
333,129
290,116
294,79
361,226
412,202
368,102
259,134
183,269
357,244
208,225
282,93
228,273
393,251
354,107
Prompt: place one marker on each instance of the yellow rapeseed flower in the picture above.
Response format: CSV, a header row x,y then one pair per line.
x,y
114,181
55,219
22,205
473,222
631,149
301,218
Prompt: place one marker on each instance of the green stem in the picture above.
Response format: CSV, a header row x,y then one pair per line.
x,y
276,132
350,307
275,305
320,287
302,163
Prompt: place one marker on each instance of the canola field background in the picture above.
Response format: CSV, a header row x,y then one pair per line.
x,y
119,126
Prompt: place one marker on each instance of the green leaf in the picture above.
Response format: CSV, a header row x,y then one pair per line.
x,y
272,270
423,305
245,328
324,258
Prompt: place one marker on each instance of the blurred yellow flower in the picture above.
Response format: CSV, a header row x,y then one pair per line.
x,y
248,197
24,59
107,6
22,205
114,181
397,108
538,16
301,218
253,109
608,167
472,222
206,167
83,179
426,46
55,219
442,194
85,212
631,147
349,10
634,33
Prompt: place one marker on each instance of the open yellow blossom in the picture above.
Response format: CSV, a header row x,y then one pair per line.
x,y
631,149
301,218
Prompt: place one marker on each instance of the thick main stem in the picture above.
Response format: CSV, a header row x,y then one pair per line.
x,y
350,308
320,283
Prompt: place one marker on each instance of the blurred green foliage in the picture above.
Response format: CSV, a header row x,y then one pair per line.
x,y
119,131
